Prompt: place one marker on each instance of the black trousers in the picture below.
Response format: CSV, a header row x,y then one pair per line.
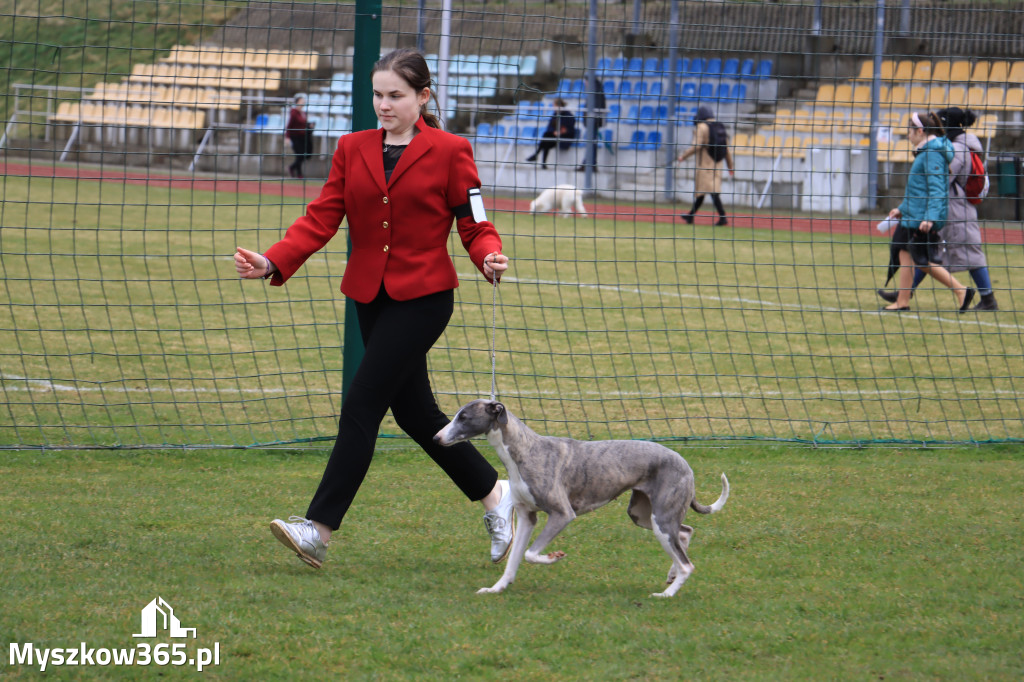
x,y
393,374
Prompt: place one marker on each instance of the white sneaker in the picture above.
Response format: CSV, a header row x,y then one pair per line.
x,y
501,524
302,537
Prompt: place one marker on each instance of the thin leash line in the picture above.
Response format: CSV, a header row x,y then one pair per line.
x,y
494,338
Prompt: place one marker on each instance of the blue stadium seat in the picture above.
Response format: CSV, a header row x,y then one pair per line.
x,y
614,112
636,140
528,65
688,92
764,69
579,87
610,88
527,135
639,89
706,93
696,67
646,115
739,92
654,90
722,92
713,67
625,89
651,65
484,133
636,67
731,68
618,67
747,69
653,140
633,116
604,64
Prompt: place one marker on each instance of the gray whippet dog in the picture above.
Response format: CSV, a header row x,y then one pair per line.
x,y
565,478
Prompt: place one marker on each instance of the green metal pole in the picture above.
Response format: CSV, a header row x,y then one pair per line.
x,y
366,53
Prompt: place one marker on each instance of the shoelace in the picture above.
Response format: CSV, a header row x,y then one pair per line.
x,y
494,522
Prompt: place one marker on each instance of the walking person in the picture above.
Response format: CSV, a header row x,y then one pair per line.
x,y
600,103
711,146
561,131
300,132
400,187
962,233
916,241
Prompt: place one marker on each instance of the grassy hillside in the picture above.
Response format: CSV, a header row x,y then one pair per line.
x,y
78,43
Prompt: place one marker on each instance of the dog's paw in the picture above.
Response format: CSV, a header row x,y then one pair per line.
x,y
490,590
663,595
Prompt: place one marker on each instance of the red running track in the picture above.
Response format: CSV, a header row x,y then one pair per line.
x,y
622,212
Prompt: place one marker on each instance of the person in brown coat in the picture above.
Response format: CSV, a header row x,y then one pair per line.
x,y
709,171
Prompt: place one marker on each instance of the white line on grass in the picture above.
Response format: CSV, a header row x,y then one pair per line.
x,y
46,385
751,301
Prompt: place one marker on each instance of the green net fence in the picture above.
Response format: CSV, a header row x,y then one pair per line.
x,y
142,142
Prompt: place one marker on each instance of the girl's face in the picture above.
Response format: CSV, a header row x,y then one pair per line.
x,y
916,135
396,103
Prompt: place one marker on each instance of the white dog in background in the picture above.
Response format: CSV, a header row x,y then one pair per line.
x,y
564,198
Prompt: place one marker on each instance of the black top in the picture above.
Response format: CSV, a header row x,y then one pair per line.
x,y
392,153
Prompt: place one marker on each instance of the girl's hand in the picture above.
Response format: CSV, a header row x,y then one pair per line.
x,y
494,265
249,264
925,226
895,214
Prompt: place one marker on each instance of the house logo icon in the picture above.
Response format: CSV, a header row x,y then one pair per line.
x,y
159,614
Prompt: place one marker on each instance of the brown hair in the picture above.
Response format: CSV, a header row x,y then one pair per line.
x,y
930,123
410,65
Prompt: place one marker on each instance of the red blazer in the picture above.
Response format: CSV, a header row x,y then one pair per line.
x,y
400,229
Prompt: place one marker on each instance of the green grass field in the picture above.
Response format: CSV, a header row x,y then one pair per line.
x,y
876,563
125,326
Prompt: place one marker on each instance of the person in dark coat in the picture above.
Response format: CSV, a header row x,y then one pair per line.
x,y
561,131
300,132
599,106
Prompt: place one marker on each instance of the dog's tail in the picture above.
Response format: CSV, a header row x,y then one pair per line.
x,y
719,503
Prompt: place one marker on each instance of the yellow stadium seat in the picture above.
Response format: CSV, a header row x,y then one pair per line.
x,y
904,71
1016,74
918,97
940,71
844,95
937,96
979,74
973,96
899,96
867,70
994,97
999,72
826,94
986,126
861,96
1014,98
922,71
741,143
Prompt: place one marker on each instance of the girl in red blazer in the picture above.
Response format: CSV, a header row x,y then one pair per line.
x,y
400,187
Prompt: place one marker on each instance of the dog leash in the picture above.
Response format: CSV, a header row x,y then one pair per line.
x,y
494,338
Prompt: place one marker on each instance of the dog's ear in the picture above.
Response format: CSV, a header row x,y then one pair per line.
x,y
498,413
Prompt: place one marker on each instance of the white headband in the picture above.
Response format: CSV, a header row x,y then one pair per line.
x,y
917,120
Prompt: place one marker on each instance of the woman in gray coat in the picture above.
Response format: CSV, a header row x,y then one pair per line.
x,y
962,233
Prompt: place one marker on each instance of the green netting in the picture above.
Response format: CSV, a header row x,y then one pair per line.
x,y
143,141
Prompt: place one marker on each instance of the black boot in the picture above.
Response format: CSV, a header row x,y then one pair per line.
x,y
988,302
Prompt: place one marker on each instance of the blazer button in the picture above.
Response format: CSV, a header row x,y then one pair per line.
x,y
385,200
385,225
386,247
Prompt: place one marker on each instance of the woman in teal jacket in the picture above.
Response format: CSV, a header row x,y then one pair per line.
x,y
922,214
